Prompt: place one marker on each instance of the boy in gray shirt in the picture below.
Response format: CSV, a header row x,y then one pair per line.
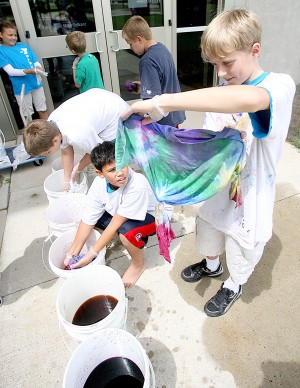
x,y
157,69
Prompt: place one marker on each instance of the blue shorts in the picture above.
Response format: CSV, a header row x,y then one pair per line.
x,y
136,232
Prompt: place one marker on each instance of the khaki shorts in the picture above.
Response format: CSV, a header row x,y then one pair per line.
x,y
240,261
35,97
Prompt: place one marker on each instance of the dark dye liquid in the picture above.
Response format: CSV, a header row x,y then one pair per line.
x,y
116,372
94,310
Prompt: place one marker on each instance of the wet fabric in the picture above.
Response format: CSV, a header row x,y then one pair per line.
x,y
183,166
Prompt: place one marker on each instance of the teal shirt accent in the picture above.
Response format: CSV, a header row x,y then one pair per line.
x,y
261,120
109,189
88,73
258,79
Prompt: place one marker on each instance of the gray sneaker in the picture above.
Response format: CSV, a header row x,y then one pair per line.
x,y
222,301
195,272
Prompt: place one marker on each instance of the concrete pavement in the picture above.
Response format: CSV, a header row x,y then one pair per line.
x,y
254,345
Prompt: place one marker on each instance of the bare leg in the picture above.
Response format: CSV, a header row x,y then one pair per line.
x,y
137,265
211,257
43,115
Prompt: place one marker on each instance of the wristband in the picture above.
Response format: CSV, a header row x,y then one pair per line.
x,y
157,113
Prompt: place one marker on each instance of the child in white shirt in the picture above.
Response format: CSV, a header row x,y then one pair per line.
x,y
119,202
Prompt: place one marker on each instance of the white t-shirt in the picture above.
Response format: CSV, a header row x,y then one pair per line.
x,y
252,222
132,201
89,118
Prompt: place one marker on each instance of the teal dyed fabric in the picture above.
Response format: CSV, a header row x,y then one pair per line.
x,y
183,166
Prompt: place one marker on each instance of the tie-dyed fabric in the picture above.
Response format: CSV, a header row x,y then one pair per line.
x,y
183,166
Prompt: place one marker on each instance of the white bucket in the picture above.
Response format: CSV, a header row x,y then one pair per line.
x,y
105,344
57,164
54,185
64,213
60,247
83,285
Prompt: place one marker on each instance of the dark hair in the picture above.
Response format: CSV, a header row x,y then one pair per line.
x,y
103,154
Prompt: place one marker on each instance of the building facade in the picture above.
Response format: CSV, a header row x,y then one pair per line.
x,y
44,24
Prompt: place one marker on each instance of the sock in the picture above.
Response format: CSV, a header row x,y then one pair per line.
x,y
213,264
229,283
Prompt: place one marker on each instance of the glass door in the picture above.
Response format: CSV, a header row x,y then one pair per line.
x,y
192,18
46,23
124,64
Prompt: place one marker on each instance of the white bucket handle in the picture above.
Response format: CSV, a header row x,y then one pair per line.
x,y
125,314
47,239
152,374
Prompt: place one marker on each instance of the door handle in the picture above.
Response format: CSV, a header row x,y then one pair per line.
x,y
118,42
96,41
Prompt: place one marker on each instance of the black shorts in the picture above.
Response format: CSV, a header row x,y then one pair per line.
x,y
136,232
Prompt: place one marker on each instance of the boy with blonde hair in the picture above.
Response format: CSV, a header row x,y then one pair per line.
x,y
232,43
86,69
157,69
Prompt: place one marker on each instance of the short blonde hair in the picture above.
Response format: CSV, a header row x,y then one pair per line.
x,y
38,136
76,41
136,26
233,30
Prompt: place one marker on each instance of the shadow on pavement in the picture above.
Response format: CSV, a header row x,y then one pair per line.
x,y
27,271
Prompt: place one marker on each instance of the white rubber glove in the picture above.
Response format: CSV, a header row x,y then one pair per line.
x,y
67,186
87,259
75,174
41,72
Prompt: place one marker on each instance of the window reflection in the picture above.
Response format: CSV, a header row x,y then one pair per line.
x,y
193,73
60,17
151,10
128,70
191,13
60,77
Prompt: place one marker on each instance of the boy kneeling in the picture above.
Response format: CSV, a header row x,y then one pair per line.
x,y
118,202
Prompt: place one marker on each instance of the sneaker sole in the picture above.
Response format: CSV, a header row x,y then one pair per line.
x,y
193,280
215,314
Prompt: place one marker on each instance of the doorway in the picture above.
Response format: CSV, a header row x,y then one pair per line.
x,y
44,26
192,18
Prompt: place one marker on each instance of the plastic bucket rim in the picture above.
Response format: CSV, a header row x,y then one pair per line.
x,y
55,194
107,319
106,331
77,158
61,303
62,273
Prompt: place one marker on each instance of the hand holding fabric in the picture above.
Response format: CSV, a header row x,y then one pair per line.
x,y
150,107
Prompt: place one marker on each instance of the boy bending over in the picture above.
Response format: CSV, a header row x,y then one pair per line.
x,y
82,121
119,202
